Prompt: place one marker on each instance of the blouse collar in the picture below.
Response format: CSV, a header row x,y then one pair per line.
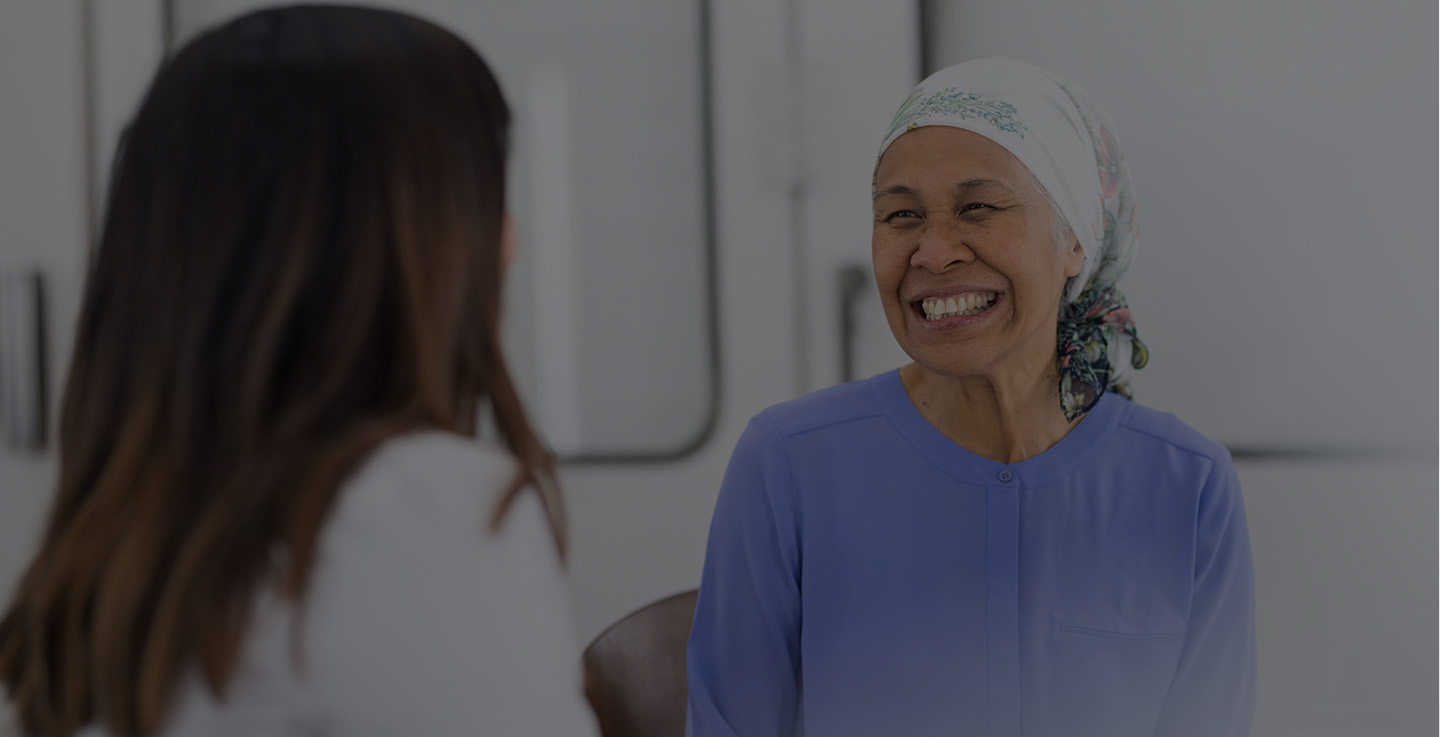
x,y
967,467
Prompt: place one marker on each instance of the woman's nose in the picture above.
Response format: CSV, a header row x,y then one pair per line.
x,y
941,248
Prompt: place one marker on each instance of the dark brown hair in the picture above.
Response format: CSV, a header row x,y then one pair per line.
x,y
300,260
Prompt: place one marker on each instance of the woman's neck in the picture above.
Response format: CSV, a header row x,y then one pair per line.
x,y
1005,418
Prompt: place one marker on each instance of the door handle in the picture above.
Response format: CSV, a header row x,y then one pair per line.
x,y
853,280
22,360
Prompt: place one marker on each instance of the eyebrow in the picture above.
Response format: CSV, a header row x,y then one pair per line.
x,y
966,186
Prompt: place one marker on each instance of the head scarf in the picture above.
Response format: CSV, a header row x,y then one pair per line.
x,y
1068,143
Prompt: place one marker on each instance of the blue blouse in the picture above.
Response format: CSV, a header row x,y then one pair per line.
x,y
867,576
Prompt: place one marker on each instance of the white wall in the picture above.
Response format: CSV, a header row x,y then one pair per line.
x,y
1345,574
1284,157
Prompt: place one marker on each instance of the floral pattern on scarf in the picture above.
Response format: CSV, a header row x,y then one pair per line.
x,y
953,103
1094,322
1084,335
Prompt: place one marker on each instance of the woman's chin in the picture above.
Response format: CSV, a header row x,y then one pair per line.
x,y
947,366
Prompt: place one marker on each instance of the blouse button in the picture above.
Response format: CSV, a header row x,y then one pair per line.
x,y
1006,475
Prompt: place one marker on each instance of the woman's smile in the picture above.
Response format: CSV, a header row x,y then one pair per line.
x,y
944,311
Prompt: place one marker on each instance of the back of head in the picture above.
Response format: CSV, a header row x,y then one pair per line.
x,y
300,259
311,188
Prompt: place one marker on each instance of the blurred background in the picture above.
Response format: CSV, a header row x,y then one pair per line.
x,y
691,181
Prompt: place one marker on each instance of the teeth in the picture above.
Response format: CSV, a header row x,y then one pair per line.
x,y
970,303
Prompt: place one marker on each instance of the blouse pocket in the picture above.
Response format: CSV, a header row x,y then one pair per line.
x,y
1118,627
1108,673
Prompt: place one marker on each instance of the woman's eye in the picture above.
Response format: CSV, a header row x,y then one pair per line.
x,y
973,206
901,215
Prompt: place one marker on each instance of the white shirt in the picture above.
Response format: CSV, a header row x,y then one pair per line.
x,y
418,622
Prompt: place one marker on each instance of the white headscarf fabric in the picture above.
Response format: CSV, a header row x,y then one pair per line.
x,y
1068,142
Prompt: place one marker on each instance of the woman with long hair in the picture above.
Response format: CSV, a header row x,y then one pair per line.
x,y
273,514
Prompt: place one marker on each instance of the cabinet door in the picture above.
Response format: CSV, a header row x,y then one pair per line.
x,y
609,307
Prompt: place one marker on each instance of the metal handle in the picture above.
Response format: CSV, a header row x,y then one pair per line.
x,y
853,280
22,360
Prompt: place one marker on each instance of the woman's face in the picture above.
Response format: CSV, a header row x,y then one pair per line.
x,y
967,269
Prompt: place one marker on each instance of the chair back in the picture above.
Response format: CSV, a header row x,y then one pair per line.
x,y
635,670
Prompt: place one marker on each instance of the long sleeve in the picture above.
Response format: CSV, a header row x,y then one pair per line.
x,y
744,655
1213,694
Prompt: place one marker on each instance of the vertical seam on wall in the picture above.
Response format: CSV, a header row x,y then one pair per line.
x,y
88,105
800,317
167,29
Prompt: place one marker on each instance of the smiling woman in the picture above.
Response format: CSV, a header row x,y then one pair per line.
x,y
992,539
969,272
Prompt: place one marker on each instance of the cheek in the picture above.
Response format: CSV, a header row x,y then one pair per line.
x,y
890,260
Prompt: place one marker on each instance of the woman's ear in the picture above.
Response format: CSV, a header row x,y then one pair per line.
x,y
1074,257
507,242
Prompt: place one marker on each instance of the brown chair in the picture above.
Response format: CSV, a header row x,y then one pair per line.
x,y
635,670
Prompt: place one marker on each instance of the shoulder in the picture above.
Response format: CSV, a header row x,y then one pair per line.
x,y
424,502
1159,442
835,406
427,476
432,460
789,440
790,437
1143,425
